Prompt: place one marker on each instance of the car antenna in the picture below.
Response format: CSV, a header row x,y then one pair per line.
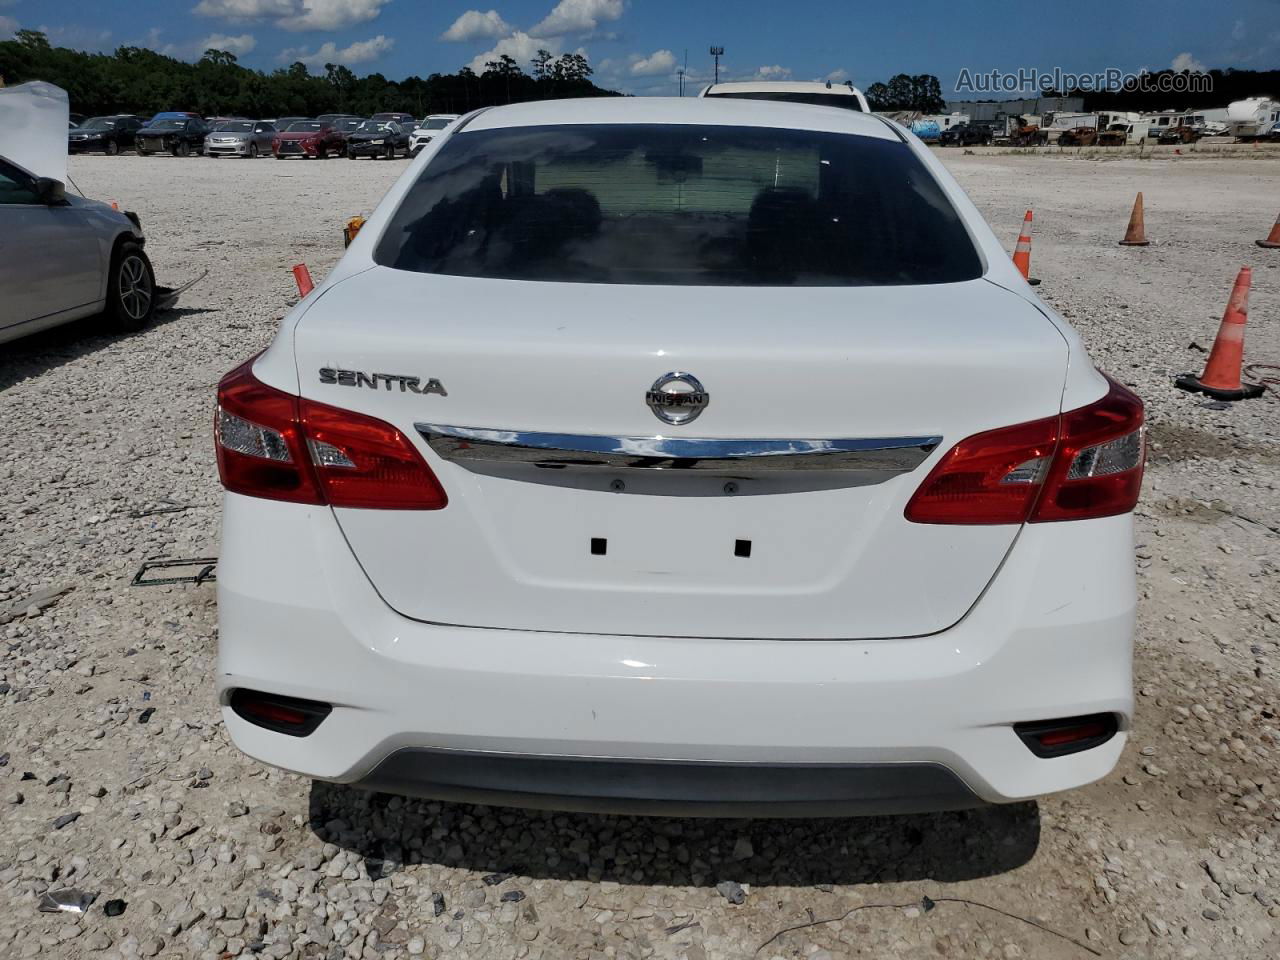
x,y
76,185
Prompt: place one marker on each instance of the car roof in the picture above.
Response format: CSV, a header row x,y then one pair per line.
x,y
781,86
723,111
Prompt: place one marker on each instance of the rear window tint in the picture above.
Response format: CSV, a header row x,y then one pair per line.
x,y
683,204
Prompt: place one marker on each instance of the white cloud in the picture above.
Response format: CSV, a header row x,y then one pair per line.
x,y
658,62
8,27
520,47
578,16
239,45
774,72
1238,31
362,51
1185,61
245,9
474,25
837,76
331,14
294,14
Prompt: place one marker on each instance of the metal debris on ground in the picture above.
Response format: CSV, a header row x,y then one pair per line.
x,y
166,506
68,900
204,575
166,297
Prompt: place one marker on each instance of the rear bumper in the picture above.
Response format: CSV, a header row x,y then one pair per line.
x,y
658,724
670,787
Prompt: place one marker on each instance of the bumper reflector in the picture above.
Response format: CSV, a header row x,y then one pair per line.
x,y
1058,738
288,715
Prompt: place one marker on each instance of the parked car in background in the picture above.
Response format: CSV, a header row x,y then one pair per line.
x,y
173,115
75,119
107,135
965,135
1078,137
733,580
75,258
428,129
239,138
334,118
1179,134
344,125
406,120
307,139
377,138
1116,135
821,94
181,137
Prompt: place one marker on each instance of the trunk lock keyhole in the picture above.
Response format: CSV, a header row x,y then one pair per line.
x,y
617,486
731,488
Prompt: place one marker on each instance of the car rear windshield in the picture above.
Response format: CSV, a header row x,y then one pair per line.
x,y
685,204
846,101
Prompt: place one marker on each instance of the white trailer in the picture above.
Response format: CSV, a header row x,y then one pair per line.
x,y
1254,118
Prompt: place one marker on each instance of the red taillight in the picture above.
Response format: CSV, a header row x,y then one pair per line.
x,y
1084,463
274,445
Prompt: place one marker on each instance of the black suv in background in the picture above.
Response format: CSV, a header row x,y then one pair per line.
x,y
179,137
109,135
966,135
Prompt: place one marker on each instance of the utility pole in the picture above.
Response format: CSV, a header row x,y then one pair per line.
x,y
717,52
683,70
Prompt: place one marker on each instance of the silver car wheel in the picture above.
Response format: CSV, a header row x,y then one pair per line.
x,y
135,288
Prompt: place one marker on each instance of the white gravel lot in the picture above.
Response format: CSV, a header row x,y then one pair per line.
x,y
117,778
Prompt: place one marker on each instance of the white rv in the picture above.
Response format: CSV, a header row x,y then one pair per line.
x,y
1254,118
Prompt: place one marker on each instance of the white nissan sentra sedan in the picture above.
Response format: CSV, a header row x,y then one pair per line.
x,y
731,469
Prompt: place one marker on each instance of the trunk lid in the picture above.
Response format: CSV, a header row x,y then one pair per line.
x,y
829,552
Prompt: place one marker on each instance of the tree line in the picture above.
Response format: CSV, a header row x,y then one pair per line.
x,y
141,81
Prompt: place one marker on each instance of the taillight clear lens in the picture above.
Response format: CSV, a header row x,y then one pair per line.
x,y
250,439
1085,463
1098,469
274,445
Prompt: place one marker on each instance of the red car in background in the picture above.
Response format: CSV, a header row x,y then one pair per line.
x,y
308,138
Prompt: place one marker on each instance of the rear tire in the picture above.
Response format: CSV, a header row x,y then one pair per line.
x,y
112,148
131,289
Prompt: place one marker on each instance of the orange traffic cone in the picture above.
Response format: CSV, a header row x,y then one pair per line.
x,y
1273,238
303,278
1136,235
1221,377
1022,251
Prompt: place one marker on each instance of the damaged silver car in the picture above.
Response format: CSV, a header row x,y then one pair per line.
x,y
64,257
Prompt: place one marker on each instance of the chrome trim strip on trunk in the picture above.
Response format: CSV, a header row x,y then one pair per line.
x,y
890,455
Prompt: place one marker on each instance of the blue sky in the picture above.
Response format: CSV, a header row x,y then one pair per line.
x,y
636,45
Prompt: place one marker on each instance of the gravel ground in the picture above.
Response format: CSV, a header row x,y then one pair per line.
x,y
116,777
